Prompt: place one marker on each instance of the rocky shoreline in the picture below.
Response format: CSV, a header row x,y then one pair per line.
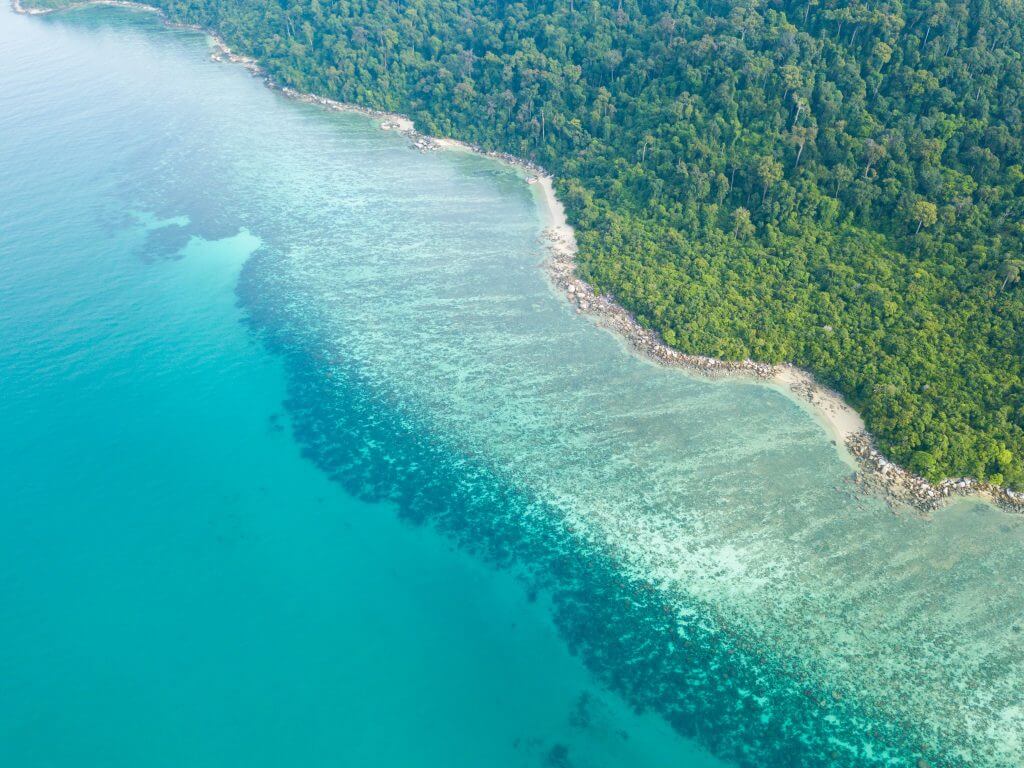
x,y
875,474
17,7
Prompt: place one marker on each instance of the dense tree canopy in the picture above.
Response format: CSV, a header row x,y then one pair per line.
x,y
832,183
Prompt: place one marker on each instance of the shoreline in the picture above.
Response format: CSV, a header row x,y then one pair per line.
x,y
874,473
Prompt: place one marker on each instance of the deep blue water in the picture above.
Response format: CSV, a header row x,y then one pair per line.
x,y
305,464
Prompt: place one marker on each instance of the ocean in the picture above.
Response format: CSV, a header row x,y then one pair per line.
x,y
304,462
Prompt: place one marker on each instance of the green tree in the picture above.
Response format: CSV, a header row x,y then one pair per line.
x,y
742,227
1010,271
925,213
769,171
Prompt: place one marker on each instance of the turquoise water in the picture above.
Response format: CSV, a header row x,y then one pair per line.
x,y
178,586
305,463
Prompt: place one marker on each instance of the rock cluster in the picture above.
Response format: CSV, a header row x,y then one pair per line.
x,y
896,484
222,53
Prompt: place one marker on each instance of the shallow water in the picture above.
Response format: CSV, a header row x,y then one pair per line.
x,y
183,249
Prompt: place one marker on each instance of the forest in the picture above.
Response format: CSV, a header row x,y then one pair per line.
x,y
831,183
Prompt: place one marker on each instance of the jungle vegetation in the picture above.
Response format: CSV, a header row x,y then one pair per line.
x,y
833,183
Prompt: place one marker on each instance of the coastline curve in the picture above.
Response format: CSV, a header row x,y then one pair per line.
x,y
875,473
